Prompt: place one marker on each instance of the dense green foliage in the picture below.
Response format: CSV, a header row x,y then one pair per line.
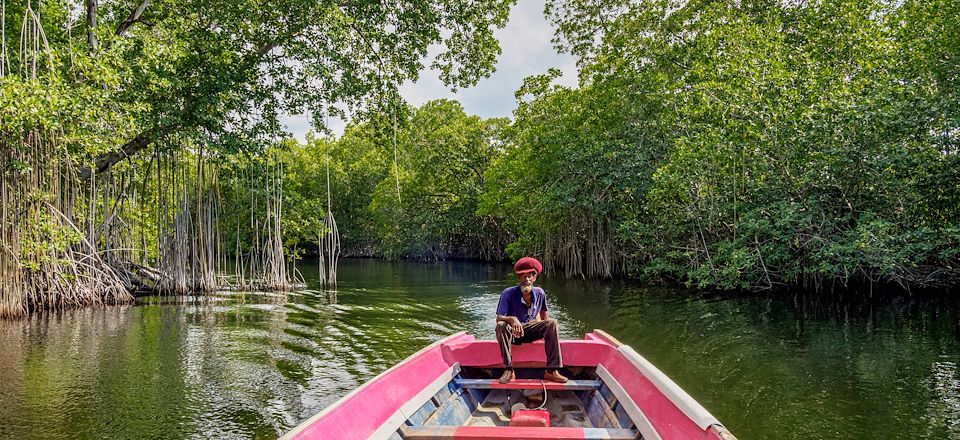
x,y
791,143
118,118
728,144
735,145
223,71
429,212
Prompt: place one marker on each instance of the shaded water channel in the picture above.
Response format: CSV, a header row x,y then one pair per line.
x,y
253,366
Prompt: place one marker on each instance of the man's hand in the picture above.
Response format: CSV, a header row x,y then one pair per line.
x,y
516,327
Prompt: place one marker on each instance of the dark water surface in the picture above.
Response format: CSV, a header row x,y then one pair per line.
x,y
255,365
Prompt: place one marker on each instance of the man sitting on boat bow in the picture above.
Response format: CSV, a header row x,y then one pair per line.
x,y
522,317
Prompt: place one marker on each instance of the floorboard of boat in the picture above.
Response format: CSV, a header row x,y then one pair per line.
x,y
565,408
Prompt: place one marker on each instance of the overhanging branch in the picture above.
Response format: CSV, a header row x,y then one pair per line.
x,y
139,142
133,18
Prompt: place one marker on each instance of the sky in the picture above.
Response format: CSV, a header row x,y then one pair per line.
x,y
526,50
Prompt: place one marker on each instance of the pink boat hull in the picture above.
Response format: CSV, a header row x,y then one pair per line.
x,y
658,407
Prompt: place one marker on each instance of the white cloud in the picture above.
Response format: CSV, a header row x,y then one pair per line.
x,y
300,125
527,50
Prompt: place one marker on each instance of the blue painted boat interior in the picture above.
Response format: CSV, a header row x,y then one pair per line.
x,y
455,405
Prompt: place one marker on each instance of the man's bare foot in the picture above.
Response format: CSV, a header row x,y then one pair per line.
x,y
507,376
554,376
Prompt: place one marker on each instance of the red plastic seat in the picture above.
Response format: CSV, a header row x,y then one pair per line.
x,y
530,417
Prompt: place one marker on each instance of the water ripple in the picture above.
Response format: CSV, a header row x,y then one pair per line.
x,y
252,365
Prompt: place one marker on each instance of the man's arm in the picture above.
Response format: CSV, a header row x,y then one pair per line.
x,y
543,311
515,326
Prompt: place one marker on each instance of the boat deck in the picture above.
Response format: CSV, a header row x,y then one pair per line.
x,y
565,408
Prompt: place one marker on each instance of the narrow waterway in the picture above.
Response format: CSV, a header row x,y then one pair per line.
x,y
254,365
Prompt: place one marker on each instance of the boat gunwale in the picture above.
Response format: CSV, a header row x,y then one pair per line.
x,y
291,434
683,400
640,420
396,420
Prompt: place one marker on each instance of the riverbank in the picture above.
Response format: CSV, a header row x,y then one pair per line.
x,y
945,282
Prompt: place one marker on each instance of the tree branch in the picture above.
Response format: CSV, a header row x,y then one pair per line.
x,y
141,141
133,18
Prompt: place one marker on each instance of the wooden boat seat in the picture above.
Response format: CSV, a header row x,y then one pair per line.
x,y
529,384
513,432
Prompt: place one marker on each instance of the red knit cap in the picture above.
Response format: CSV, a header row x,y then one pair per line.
x,y
527,264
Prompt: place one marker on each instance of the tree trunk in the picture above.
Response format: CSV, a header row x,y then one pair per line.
x,y
92,26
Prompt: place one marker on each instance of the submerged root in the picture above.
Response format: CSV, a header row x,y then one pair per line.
x,y
74,279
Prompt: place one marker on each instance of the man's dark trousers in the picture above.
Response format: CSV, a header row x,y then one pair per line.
x,y
532,331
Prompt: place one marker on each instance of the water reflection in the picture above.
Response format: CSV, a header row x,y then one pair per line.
x,y
241,365
800,368
943,411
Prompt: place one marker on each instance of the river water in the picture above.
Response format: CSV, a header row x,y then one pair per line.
x,y
254,365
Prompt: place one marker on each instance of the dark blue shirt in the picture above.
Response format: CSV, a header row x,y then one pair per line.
x,y
511,303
